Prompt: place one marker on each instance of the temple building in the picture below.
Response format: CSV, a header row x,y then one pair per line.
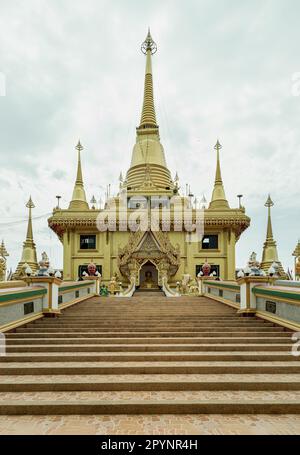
x,y
164,245
270,254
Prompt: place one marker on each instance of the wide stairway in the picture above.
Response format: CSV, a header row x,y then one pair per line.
x,y
149,355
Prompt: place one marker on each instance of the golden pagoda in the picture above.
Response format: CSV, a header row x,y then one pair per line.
x,y
163,244
29,257
270,254
296,254
3,250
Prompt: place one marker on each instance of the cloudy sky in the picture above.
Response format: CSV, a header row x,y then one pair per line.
x,y
224,69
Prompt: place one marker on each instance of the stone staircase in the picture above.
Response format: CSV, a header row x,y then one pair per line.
x,y
149,355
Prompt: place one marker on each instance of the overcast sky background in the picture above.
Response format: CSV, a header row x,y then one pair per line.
x,y
224,68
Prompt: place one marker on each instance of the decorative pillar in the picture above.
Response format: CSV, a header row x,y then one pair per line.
x,y
201,284
50,304
97,281
248,299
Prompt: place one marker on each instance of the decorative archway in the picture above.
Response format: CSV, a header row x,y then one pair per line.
x,y
153,247
148,275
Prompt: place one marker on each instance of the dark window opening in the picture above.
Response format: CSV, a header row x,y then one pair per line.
x,y
137,202
87,242
76,294
238,298
28,308
220,292
210,242
60,299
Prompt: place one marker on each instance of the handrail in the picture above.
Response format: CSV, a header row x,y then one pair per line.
x,y
73,285
169,292
221,284
129,291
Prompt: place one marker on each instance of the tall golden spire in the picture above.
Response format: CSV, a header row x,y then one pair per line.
x,y
218,199
148,163
270,254
29,249
79,201
148,117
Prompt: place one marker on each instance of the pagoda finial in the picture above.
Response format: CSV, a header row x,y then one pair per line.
x,y
149,44
218,199
79,146
79,198
269,202
218,146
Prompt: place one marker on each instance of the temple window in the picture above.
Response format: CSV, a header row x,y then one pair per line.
x,y
160,202
137,202
88,242
210,242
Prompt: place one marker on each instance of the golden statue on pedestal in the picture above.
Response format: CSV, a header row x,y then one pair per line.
x,y
148,283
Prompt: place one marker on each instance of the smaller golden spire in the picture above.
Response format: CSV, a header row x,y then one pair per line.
x,y
79,148
218,199
270,254
29,249
269,203
79,201
296,252
3,250
30,205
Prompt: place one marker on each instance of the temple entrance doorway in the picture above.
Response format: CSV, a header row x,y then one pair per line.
x,y
148,276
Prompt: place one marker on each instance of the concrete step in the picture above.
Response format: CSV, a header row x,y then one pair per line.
x,y
147,348
154,396
79,340
149,408
118,334
117,368
174,330
150,383
147,326
237,356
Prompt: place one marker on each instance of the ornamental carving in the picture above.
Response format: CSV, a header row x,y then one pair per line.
x,y
149,246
